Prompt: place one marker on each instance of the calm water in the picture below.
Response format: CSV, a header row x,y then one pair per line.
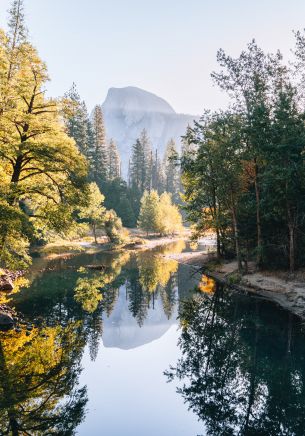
x,y
144,347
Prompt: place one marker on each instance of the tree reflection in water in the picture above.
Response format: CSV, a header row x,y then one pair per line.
x,y
242,368
40,368
153,276
38,381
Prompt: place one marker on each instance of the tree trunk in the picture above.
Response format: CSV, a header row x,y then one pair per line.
x,y
291,248
15,179
216,224
218,254
259,247
236,234
94,232
17,170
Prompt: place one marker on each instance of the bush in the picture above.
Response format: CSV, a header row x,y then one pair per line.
x,y
114,230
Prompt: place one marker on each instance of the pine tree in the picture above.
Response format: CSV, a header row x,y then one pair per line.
x,y
172,176
148,159
158,177
114,170
188,148
99,155
137,167
77,120
141,165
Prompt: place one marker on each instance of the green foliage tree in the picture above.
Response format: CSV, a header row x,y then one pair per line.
x,y
245,179
118,197
158,214
114,228
249,81
94,211
149,217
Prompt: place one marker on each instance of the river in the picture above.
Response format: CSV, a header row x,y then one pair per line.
x,y
136,344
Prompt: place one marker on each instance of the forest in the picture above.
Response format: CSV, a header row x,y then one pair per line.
x,y
59,174
239,174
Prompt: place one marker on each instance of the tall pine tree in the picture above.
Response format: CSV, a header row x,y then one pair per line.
x,y
172,173
99,154
77,120
114,171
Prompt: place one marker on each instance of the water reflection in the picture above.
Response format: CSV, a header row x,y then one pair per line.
x,y
39,373
69,301
242,364
242,368
90,288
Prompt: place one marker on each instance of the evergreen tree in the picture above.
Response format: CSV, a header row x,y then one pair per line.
x,y
148,159
141,165
99,155
118,198
114,170
77,120
249,81
171,169
137,167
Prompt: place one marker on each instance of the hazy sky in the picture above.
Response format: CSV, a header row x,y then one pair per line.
x,y
164,46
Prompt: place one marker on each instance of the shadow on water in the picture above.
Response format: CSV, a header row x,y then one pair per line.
x,y
242,366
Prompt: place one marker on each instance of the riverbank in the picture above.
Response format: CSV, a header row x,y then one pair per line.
x,y
279,287
136,242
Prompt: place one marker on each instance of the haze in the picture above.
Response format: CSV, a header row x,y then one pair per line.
x,y
165,47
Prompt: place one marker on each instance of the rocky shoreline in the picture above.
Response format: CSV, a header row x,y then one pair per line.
x,y
8,317
7,279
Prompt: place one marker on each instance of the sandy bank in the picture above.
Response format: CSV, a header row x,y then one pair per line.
x,y
71,248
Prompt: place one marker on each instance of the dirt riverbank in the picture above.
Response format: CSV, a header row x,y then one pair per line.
x,y
71,248
279,287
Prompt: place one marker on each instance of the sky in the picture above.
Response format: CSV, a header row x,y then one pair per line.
x,y
167,47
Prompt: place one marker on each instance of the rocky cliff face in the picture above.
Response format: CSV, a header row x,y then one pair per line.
x,y
127,111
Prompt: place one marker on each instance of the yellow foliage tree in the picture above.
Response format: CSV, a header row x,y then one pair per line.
x,y
40,166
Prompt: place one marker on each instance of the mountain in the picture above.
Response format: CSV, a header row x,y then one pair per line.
x,y
121,330
127,111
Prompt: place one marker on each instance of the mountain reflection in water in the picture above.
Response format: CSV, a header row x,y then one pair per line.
x,y
104,339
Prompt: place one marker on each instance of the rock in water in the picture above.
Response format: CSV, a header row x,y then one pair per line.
x,y
6,285
6,320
